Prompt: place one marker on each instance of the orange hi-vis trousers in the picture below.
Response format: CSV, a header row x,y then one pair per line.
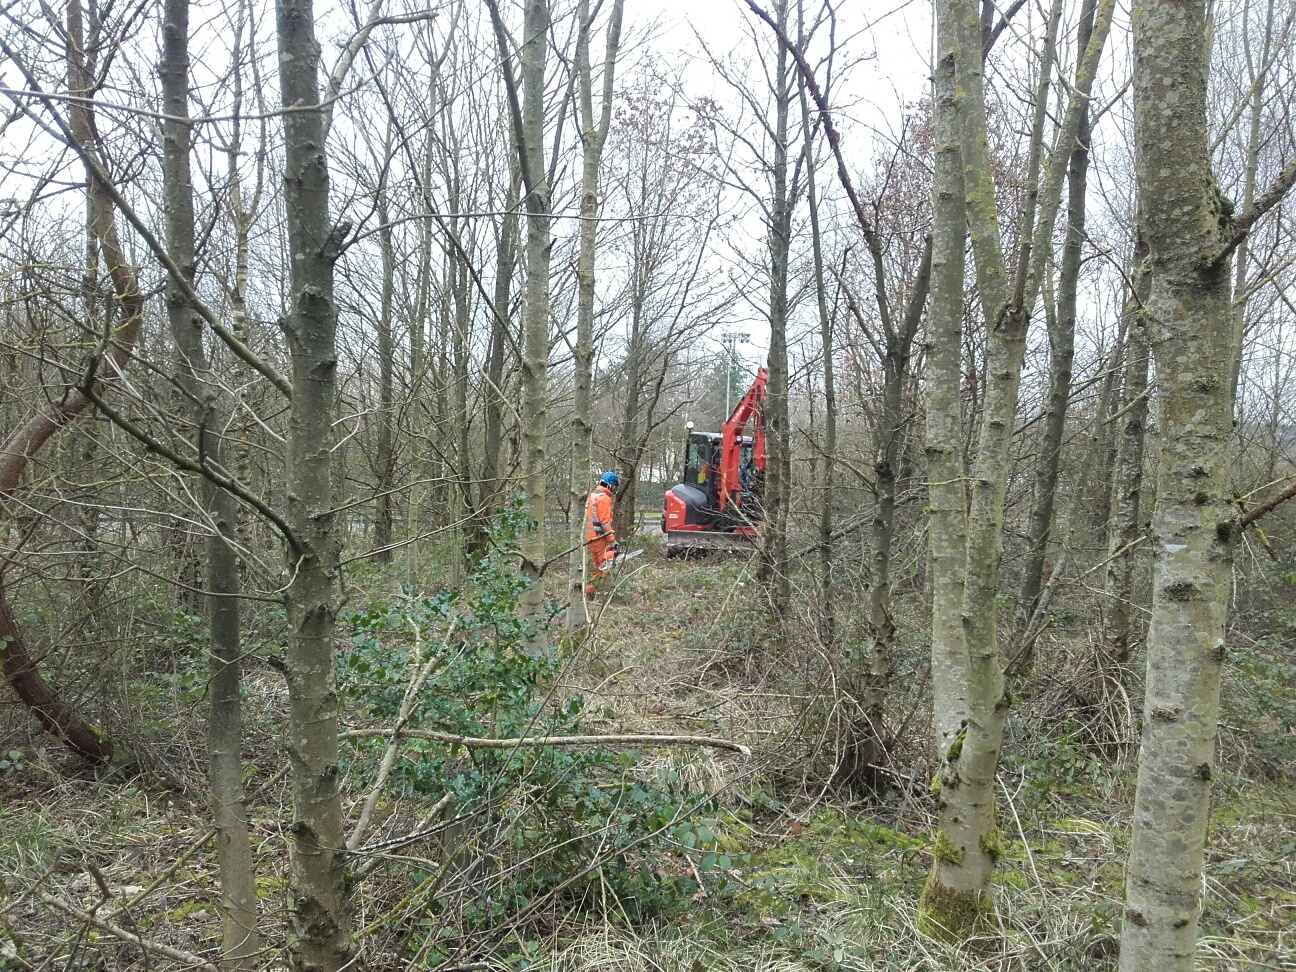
x,y
598,531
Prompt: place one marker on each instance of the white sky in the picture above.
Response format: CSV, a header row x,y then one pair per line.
x,y
884,54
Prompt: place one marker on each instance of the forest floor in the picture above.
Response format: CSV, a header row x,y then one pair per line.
x,y
784,871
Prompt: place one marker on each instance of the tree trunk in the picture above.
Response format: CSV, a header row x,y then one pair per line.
x,y
593,136
1250,168
319,910
1061,351
240,941
416,505
827,606
942,380
385,458
773,567
1127,479
888,437
505,258
973,705
461,502
1183,217
972,708
535,325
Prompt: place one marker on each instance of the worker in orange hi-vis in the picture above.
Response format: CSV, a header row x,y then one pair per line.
x,y
599,536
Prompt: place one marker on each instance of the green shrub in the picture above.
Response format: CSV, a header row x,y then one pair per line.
x,y
585,828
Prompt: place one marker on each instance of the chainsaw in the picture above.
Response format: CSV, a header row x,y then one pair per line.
x,y
622,558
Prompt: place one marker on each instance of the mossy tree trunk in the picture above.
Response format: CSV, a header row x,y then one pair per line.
x,y
972,705
970,698
1190,234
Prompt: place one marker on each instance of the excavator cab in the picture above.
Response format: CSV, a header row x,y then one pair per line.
x,y
701,458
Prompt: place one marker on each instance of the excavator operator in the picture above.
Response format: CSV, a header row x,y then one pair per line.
x,y
598,529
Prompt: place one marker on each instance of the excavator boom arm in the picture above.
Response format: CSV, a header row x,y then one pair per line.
x,y
750,408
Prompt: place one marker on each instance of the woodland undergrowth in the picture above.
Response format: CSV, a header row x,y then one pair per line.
x,y
673,858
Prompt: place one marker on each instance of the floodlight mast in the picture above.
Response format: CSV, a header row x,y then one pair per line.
x,y
729,341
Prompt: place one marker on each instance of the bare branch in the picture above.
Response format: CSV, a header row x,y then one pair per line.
x,y
1266,201
561,742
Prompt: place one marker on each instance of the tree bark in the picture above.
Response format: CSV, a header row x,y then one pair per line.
x,y
1250,169
505,259
942,378
1184,220
240,940
319,910
956,898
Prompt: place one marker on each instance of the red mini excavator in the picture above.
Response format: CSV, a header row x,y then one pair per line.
x,y
718,505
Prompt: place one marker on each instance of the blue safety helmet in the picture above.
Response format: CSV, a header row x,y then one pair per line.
x,y
610,479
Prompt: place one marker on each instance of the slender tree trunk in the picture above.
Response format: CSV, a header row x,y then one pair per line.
x,y
773,569
1061,350
1250,169
1183,218
827,604
973,705
956,897
462,496
319,909
888,438
968,700
385,458
1127,480
593,136
241,216
496,401
535,325
416,505
943,403
240,941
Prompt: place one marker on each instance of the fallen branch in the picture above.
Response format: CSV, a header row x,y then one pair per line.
x,y
143,944
624,739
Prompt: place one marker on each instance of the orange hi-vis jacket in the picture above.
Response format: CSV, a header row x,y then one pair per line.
x,y
598,515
